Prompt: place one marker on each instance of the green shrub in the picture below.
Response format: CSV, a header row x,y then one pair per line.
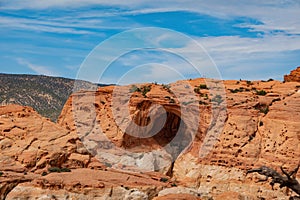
x,y
187,103
107,164
44,173
164,179
1,173
205,96
197,90
134,88
166,86
261,92
58,170
203,103
174,185
54,169
203,86
241,89
65,170
249,83
145,90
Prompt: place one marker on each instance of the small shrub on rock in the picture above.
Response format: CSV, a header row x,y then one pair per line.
x,y
134,88
58,170
44,173
261,92
203,86
164,179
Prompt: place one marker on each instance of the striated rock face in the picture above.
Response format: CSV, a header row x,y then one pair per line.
x,y
188,140
256,123
33,150
293,76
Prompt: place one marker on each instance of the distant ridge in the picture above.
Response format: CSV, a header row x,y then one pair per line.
x,y
45,94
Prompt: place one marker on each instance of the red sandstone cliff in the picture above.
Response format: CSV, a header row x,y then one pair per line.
x,y
251,124
293,76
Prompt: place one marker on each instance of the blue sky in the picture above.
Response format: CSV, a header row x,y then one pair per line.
x,y
242,39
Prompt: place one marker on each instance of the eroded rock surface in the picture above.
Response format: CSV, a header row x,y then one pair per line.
x,y
293,76
260,126
188,140
34,150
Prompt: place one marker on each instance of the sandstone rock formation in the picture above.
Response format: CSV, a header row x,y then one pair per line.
x,y
260,127
190,140
30,145
293,76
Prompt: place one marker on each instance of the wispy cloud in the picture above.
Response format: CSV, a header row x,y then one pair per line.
x,y
255,58
236,44
274,14
39,69
58,26
268,32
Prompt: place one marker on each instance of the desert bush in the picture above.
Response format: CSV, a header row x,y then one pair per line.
x,y
249,83
44,173
58,170
203,103
54,169
107,164
187,103
197,90
166,86
145,90
203,86
261,92
65,170
241,89
163,179
134,88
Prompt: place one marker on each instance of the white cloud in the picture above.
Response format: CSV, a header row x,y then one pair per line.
x,y
234,56
255,58
61,25
236,44
274,14
40,25
270,16
150,72
41,70
239,57
37,4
